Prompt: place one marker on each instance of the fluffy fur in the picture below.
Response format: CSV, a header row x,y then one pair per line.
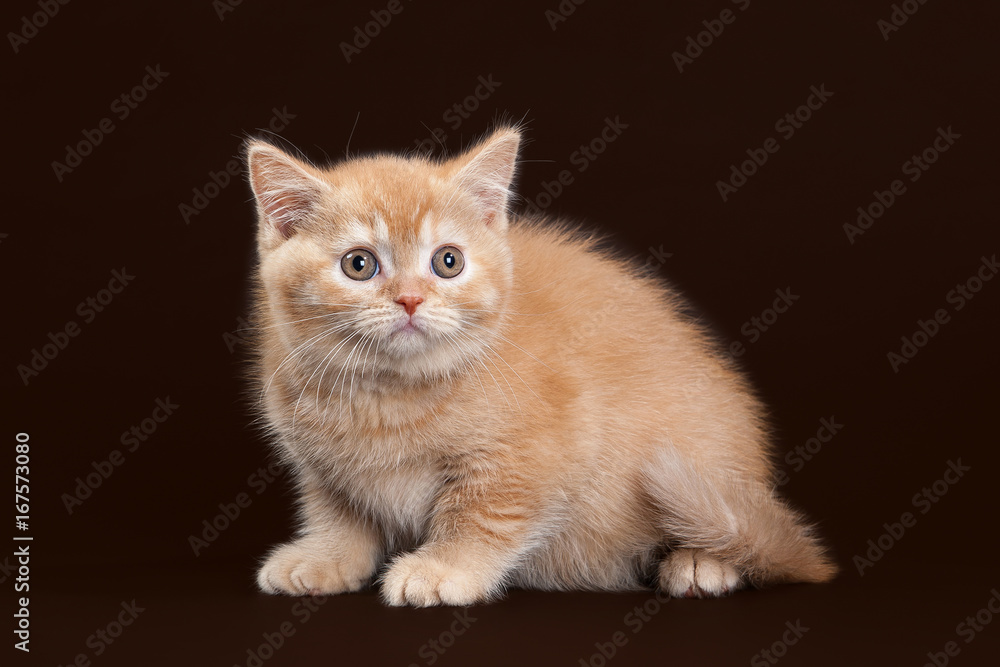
x,y
548,418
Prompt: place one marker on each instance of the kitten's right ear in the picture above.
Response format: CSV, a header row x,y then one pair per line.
x,y
287,191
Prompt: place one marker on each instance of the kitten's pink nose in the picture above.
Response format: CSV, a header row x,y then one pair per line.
x,y
410,302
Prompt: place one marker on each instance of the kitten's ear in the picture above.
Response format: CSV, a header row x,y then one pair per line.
x,y
487,171
287,190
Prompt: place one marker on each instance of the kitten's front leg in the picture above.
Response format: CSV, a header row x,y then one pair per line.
x,y
336,552
479,530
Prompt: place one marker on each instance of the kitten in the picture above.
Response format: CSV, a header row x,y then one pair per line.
x,y
471,401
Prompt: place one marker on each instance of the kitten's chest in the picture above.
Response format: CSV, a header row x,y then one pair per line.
x,y
386,453
400,498
390,473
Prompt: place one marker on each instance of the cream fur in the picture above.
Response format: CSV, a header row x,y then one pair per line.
x,y
554,422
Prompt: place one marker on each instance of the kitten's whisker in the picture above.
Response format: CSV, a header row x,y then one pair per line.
x,y
483,342
343,371
364,364
350,395
500,357
323,363
331,355
285,361
299,349
347,148
502,375
509,342
499,389
343,367
499,314
378,341
305,385
455,344
553,281
285,324
511,312
478,358
319,384
539,289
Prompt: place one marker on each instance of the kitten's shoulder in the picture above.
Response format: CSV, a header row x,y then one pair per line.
x,y
549,249
533,235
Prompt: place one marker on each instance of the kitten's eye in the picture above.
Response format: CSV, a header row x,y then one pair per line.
x,y
448,262
359,265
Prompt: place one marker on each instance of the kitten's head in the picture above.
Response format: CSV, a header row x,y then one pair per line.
x,y
401,260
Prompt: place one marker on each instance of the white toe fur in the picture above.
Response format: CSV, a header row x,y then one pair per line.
x,y
423,581
310,566
695,573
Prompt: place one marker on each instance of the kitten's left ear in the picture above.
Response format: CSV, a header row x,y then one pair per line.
x,y
487,171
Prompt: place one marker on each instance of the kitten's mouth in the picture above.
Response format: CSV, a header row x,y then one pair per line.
x,y
408,327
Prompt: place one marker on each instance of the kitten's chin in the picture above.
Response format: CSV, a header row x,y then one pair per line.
x,y
409,341
413,352
408,337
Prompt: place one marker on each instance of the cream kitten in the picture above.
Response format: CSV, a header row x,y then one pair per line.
x,y
474,401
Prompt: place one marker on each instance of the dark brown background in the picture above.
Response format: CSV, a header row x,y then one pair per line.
x,y
654,186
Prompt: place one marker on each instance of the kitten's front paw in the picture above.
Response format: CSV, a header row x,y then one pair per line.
x,y
693,573
311,566
424,581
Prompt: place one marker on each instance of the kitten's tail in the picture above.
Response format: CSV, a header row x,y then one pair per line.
x,y
742,522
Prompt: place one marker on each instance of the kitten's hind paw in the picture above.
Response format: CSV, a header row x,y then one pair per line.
x,y
308,566
693,573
